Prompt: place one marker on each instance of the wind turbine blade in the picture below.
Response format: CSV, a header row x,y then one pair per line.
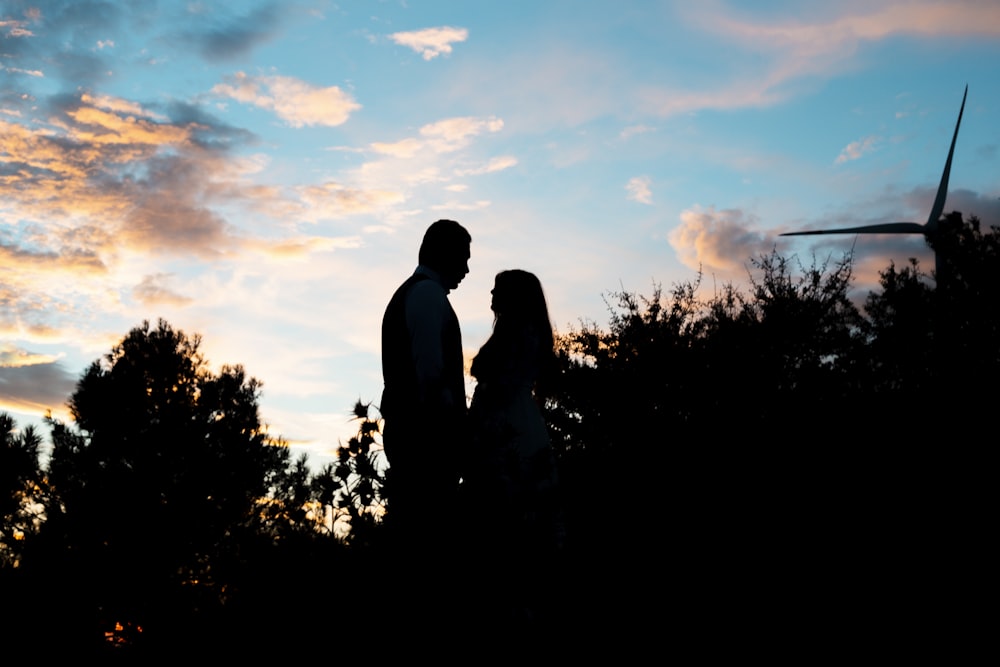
x,y
883,228
942,192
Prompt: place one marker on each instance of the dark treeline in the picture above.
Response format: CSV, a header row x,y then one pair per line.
x,y
766,463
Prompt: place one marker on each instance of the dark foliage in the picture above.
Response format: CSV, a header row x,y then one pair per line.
x,y
734,448
354,486
164,498
21,488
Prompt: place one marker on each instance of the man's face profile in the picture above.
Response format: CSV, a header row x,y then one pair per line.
x,y
458,268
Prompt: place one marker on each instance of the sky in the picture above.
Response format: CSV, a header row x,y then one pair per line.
x,y
261,173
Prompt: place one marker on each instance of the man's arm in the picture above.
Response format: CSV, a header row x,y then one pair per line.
x,y
427,311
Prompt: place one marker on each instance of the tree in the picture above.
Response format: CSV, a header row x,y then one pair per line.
x,y
934,341
668,366
167,470
20,488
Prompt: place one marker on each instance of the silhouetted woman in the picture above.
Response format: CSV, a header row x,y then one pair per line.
x,y
512,478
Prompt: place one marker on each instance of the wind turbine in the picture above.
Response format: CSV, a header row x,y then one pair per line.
x,y
929,228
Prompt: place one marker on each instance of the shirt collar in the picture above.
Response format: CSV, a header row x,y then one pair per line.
x,y
430,273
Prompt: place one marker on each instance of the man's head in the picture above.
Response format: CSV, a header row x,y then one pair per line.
x,y
445,249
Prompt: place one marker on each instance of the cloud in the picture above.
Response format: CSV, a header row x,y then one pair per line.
x,y
443,136
494,165
927,18
119,106
431,42
747,93
105,176
301,247
15,28
856,149
986,207
219,37
635,130
69,260
153,291
717,241
97,126
452,134
30,72
295,101
33,383
333,200
638,190
12,357
793,49
462,206
25,313
405,148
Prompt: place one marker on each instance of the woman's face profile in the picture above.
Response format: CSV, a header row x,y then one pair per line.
x,y
500,297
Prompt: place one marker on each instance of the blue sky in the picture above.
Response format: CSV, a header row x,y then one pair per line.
x,y
261,173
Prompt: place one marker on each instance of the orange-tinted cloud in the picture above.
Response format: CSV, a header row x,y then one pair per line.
x,y
300,247
105,176
297,102
718,241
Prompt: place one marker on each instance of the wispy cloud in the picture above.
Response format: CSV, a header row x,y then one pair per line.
x,y
301,247
793,49
452,134
856,149
68,260
154,290
15,28
462,206
444,136
297,102
635,130
29,72
334,200
431,42
494,165
119,105
219,36
638,190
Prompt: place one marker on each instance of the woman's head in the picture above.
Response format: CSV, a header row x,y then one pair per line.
x,y
522,327
518,297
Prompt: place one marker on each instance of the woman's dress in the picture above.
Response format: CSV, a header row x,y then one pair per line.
x,y
512,475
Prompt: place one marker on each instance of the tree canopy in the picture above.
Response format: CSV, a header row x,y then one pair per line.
x,y
166,469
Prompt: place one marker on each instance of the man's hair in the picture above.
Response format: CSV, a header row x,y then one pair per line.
x,y
443,241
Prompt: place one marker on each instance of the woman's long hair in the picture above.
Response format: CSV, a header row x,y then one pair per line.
x,y
521,315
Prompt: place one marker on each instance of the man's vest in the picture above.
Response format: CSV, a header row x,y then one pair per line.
x,y
401,395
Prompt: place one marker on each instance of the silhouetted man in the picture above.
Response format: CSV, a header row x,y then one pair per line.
x,y
423,402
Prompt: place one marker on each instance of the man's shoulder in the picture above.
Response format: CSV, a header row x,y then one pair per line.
x,y
407,285
425,287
